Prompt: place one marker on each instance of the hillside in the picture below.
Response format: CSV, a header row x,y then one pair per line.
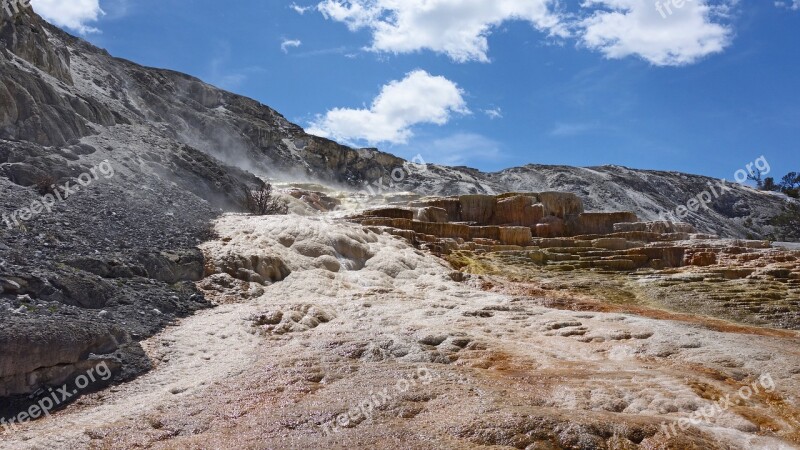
x,y
58,90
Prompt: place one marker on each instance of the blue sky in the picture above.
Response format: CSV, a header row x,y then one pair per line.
x,y
706,89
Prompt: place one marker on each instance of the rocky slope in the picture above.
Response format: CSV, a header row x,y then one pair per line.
x,y
143,160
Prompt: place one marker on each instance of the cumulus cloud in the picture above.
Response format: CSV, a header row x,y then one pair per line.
x,y
419,98
457,28
73,14
290,43
663,36
616,28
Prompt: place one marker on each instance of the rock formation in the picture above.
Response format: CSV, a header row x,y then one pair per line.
x,y
509,219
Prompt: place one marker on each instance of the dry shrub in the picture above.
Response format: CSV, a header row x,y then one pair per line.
x,y
45,184
262,202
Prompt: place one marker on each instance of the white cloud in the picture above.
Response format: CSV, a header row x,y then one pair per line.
x,y
417,99
73,14
457,28
300,9
493,113
794,6
621,28
616,28
290,43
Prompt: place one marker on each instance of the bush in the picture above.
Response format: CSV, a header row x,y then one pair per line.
x,y
790,184
262,202
45,184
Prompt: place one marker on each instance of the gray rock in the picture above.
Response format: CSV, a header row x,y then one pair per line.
x,y
84,291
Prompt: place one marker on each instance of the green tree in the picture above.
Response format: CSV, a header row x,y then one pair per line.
x,y
790,184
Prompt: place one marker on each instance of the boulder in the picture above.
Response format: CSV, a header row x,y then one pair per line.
x,y
174,266
96,266
84,290
10,287
23,174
